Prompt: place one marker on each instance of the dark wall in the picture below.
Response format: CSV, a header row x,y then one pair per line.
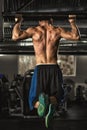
x,y
9,65
1,27
81,69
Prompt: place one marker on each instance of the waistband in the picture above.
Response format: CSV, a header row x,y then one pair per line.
x,y
46,64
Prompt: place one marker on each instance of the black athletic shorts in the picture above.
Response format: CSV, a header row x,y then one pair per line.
x,y
47,79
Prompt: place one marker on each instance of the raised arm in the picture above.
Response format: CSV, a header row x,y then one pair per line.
x,y
17,33
74,34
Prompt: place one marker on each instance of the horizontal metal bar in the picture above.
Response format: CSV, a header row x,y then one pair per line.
x,y
68,48
32,52
50,13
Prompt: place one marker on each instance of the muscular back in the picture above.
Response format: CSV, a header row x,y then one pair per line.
x,y
46,38
46,41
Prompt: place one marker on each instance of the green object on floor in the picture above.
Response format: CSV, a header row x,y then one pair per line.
x,y
49,115
43,104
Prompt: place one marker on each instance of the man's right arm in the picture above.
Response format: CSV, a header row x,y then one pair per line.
x,y
17,33
74,34
74,28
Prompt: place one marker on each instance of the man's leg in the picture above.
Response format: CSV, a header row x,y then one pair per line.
x,y
51,111
42,104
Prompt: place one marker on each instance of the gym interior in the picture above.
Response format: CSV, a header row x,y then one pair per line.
x,y
17,64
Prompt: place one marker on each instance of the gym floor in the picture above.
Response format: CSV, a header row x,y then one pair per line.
x,y
75,118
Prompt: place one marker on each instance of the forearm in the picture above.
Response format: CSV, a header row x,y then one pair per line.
x,y
16,31
74,28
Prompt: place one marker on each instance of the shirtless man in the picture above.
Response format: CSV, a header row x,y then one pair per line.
x,y
47,79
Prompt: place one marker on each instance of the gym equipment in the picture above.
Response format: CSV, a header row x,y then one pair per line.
x,y
4,95
16,96
26,87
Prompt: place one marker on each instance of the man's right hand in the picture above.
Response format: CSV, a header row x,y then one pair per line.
x,y
18,18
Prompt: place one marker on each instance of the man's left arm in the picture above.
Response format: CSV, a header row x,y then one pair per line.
x,y
17,33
